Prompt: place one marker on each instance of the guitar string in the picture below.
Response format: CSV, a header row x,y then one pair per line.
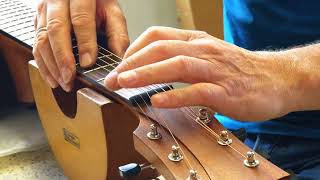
x,y
206,127
162,119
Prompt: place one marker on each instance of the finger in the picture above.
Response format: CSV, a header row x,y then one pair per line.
x,y
116,28
43,45
59,28
186,69
204,94
157,33
83,14
156,51
44,72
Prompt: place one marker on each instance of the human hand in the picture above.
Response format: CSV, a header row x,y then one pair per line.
x,y
238,83
54,22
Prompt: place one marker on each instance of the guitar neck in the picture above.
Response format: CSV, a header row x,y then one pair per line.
x,y
17,23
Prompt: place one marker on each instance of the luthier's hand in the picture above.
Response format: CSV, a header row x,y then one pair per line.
x,y
241,84
52,49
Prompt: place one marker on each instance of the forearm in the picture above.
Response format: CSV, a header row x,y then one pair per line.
x,y
303,70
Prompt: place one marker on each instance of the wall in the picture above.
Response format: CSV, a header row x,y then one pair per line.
x,y
142,14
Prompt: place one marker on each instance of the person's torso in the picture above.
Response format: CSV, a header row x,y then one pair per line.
x,y
274,25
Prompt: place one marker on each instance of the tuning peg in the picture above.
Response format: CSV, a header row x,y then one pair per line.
x,y
203,116
250,161
193,175
175,155
224,138
153,134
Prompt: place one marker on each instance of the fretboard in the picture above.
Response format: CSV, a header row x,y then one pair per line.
x,y
16,22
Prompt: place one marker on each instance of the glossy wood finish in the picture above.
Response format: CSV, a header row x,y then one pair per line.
x,y
16,57
101,131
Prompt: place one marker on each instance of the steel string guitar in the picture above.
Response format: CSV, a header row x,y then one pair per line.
x,y
98,134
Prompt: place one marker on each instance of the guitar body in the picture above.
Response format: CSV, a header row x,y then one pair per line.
x,y
16,57
103,135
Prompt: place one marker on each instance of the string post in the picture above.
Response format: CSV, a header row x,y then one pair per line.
x,y
203,116
224,138
251,161
154,133
175,154
193,175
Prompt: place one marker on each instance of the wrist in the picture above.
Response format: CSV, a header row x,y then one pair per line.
x,y
301,77
286,79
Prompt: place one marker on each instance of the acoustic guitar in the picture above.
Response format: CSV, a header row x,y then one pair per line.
x,y
98,134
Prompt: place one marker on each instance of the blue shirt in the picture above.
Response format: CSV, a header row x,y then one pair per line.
x,y
273,25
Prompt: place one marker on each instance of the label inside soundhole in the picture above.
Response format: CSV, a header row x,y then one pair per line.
x,y
71,138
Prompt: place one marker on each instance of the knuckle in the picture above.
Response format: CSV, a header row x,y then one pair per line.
x,y
206,93
42,40
184,63
154,31
60,55
35,52
40,6
81,19
54,26
116,11
87,46
160,46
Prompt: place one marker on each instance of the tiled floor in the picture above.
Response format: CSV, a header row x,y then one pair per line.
x,y
36,165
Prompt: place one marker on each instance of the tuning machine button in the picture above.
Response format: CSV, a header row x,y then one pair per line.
x,y
224,138
203,116
251,161
193,175
154,133
175,155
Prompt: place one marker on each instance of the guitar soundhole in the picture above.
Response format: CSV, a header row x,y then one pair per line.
x,y
67,101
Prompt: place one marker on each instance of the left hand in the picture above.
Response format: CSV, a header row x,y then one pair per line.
x,y
238,83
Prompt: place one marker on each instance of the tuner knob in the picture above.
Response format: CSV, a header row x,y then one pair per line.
x,y
250,161
203,116
175,155
193,175
224,138
153,134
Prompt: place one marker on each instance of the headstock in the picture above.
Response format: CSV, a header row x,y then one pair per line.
x,y
209,151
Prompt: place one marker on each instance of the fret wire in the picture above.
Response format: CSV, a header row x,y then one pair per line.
x,y
91,70
101,79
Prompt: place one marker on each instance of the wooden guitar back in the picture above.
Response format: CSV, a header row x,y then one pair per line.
x,y
16,57
81,144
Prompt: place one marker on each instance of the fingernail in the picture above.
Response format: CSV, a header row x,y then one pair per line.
x,y
66,74
111,79
52,83
85,60
64,86
128,78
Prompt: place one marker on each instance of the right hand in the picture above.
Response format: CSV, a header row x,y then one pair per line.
x,y
53,49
